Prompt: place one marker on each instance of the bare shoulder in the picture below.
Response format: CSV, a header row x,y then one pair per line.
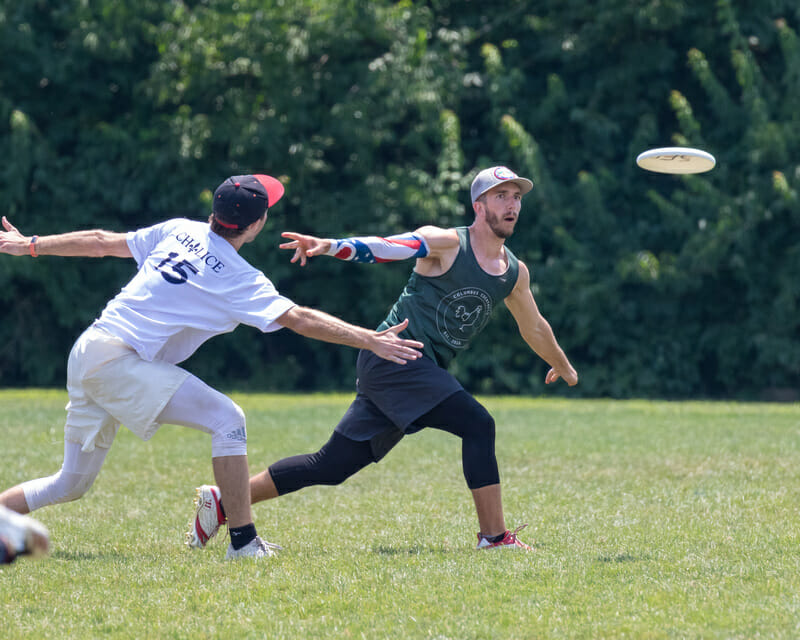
x,y
442,250
523,278
438,239
524,273
520,301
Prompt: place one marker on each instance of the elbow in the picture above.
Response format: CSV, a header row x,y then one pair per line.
x,y
295,319
104,244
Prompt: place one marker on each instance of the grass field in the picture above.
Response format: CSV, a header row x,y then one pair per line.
x,y
650,520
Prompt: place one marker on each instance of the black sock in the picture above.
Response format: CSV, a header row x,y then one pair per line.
x,y
494,539
241,536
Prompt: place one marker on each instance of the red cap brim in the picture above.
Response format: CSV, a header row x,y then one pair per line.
x,y
273,187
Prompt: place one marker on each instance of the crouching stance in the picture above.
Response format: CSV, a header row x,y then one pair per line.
x,y
191,285
459,277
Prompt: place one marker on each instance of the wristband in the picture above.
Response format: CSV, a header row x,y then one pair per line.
x,y
32,246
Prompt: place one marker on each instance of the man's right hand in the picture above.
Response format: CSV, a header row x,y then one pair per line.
x,y
304,246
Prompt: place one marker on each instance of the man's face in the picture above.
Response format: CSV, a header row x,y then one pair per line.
x,y
502,205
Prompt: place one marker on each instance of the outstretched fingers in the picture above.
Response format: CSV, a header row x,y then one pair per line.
x,y
295,240
299,253
301,244
10,227
399,353
399,350
396,329
12,241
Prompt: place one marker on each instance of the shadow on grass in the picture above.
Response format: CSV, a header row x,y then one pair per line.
x,y
410,551
622,557
418,550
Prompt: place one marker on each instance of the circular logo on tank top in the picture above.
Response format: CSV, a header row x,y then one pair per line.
x,y
461,314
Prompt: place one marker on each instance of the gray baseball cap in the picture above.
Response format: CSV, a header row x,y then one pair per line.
x,y
493,176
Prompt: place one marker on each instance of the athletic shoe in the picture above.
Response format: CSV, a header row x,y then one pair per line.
x,y
22,534
509,541
256,548
208,517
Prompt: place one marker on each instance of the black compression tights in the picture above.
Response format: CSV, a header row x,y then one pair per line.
x,y
341,457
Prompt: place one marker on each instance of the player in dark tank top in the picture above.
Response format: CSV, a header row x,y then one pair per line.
x,y
460,276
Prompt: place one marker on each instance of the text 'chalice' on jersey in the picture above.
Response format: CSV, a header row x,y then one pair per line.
x,y
194,246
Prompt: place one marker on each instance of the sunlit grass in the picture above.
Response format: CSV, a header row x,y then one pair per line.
x,y
650,520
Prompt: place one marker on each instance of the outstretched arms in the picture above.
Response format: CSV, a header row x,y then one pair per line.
x,y
536,331
90,244
319,325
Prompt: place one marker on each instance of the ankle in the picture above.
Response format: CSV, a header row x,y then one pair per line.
x,y
495,538
242,536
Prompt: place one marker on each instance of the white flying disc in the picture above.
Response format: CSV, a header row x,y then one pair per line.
x,y
676,160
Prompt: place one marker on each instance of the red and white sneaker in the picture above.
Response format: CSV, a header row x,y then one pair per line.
x,y
509,541
208,517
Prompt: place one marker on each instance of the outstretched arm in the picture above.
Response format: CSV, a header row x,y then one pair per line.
x,y
319,325
368,249
90,244
536,331
425,242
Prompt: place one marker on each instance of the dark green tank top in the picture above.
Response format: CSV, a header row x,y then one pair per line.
x,y
445,312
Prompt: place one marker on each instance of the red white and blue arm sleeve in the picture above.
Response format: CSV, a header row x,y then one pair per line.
x,y
371,249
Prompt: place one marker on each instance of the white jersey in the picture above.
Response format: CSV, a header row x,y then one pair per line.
x,y
191,285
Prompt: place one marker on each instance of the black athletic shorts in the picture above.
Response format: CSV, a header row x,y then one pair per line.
x,y
390,397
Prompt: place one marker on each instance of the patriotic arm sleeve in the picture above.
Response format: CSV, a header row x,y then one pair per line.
x,y
371,249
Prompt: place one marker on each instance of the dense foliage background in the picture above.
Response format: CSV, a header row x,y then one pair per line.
x,y
377,115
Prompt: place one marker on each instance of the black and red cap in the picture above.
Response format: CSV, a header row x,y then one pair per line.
x,y
241,200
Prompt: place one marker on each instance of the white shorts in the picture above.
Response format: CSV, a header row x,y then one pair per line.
x,y
109,384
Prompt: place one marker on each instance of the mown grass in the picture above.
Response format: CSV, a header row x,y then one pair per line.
x,y
650,520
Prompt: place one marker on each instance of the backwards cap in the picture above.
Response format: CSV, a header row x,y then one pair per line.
x,y
241,200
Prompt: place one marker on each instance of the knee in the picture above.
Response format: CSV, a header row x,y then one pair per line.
x,y
481,427
232,417
330,471
229,436
489,426
339,459
237,415
72,486
56,489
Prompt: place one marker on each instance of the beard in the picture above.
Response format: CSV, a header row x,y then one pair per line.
x,y
499,226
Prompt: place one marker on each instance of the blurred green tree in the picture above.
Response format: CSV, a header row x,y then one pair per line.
x,y
376,115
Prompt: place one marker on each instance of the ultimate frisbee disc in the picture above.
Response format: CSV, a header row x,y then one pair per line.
x,y
676,160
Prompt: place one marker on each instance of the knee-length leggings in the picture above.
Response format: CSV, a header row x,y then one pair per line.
x,y
341,457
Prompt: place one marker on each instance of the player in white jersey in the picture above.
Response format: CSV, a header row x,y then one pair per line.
x,y
191,284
